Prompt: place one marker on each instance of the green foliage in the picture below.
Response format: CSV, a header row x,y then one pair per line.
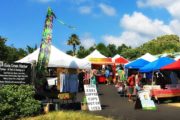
x,y
112,50
82,52
74,41
3,48
17,101
101,47
30,49
10,54
162,44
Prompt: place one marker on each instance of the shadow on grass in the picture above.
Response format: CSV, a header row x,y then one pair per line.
x,y
71,106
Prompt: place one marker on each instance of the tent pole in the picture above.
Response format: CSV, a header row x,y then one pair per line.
x,y
152,78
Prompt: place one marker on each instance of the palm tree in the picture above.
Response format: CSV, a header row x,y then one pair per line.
x,y
74,40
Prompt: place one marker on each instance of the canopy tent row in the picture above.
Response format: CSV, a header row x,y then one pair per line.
x,y
121,60
148,57
136,64
58,59
173,66
157,64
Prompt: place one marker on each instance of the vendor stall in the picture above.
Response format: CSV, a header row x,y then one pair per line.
x,y
170,91
62,70
98,62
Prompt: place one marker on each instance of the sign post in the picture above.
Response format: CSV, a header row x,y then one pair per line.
x,y
92,98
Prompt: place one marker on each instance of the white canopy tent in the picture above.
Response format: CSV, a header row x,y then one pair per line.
x,y
95,54
148,57
58,59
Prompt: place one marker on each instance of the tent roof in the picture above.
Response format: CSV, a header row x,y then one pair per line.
x,y
136,64
177,57
173,66
95,54
58,59
121,60
101,60
97,58
148,57
157,64
115,57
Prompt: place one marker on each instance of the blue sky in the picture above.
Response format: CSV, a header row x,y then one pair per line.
x,y
132,22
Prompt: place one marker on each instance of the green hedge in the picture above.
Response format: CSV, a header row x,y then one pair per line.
x,y
18,101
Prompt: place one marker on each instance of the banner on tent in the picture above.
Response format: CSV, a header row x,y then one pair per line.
x,y
16,73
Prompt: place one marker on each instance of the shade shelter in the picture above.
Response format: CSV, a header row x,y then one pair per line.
x,y
115,57
148,57
121,60
136,64
157,64
58,59
173,66
97,58
99,62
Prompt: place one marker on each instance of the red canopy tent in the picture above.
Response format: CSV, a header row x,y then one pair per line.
x,y
121,60
172,66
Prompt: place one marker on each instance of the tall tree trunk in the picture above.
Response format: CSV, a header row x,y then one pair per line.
x,y
74,49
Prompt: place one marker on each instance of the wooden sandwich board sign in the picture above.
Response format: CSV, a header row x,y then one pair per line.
x,y
92,98
146,102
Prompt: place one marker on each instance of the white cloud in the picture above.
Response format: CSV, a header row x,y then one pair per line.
x,y
108,10
145,3
132,39
175,26
139,29
85,10
141,24
87,41
172,6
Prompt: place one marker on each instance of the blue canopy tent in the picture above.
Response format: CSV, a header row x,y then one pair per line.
x,y
137,64
157,64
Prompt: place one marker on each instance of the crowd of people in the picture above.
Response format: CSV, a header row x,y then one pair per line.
x,y
127,83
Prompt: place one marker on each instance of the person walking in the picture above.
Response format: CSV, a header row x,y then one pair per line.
x,y
107,73
131,84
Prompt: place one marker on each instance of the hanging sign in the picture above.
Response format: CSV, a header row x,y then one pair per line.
x,y
92,97
16,73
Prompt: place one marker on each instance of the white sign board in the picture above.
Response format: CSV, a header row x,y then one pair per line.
x,y
92,97
146,102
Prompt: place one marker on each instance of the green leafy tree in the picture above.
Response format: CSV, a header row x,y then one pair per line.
x,y
82,52
122,48
3,49
12,54
74,41
70,52
21,53
162,44
30,49
101,47
112,50
131,54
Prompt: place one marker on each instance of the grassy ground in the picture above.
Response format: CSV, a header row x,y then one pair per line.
x,y
67,115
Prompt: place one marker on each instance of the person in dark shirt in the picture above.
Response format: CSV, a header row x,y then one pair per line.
x,y
81,78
